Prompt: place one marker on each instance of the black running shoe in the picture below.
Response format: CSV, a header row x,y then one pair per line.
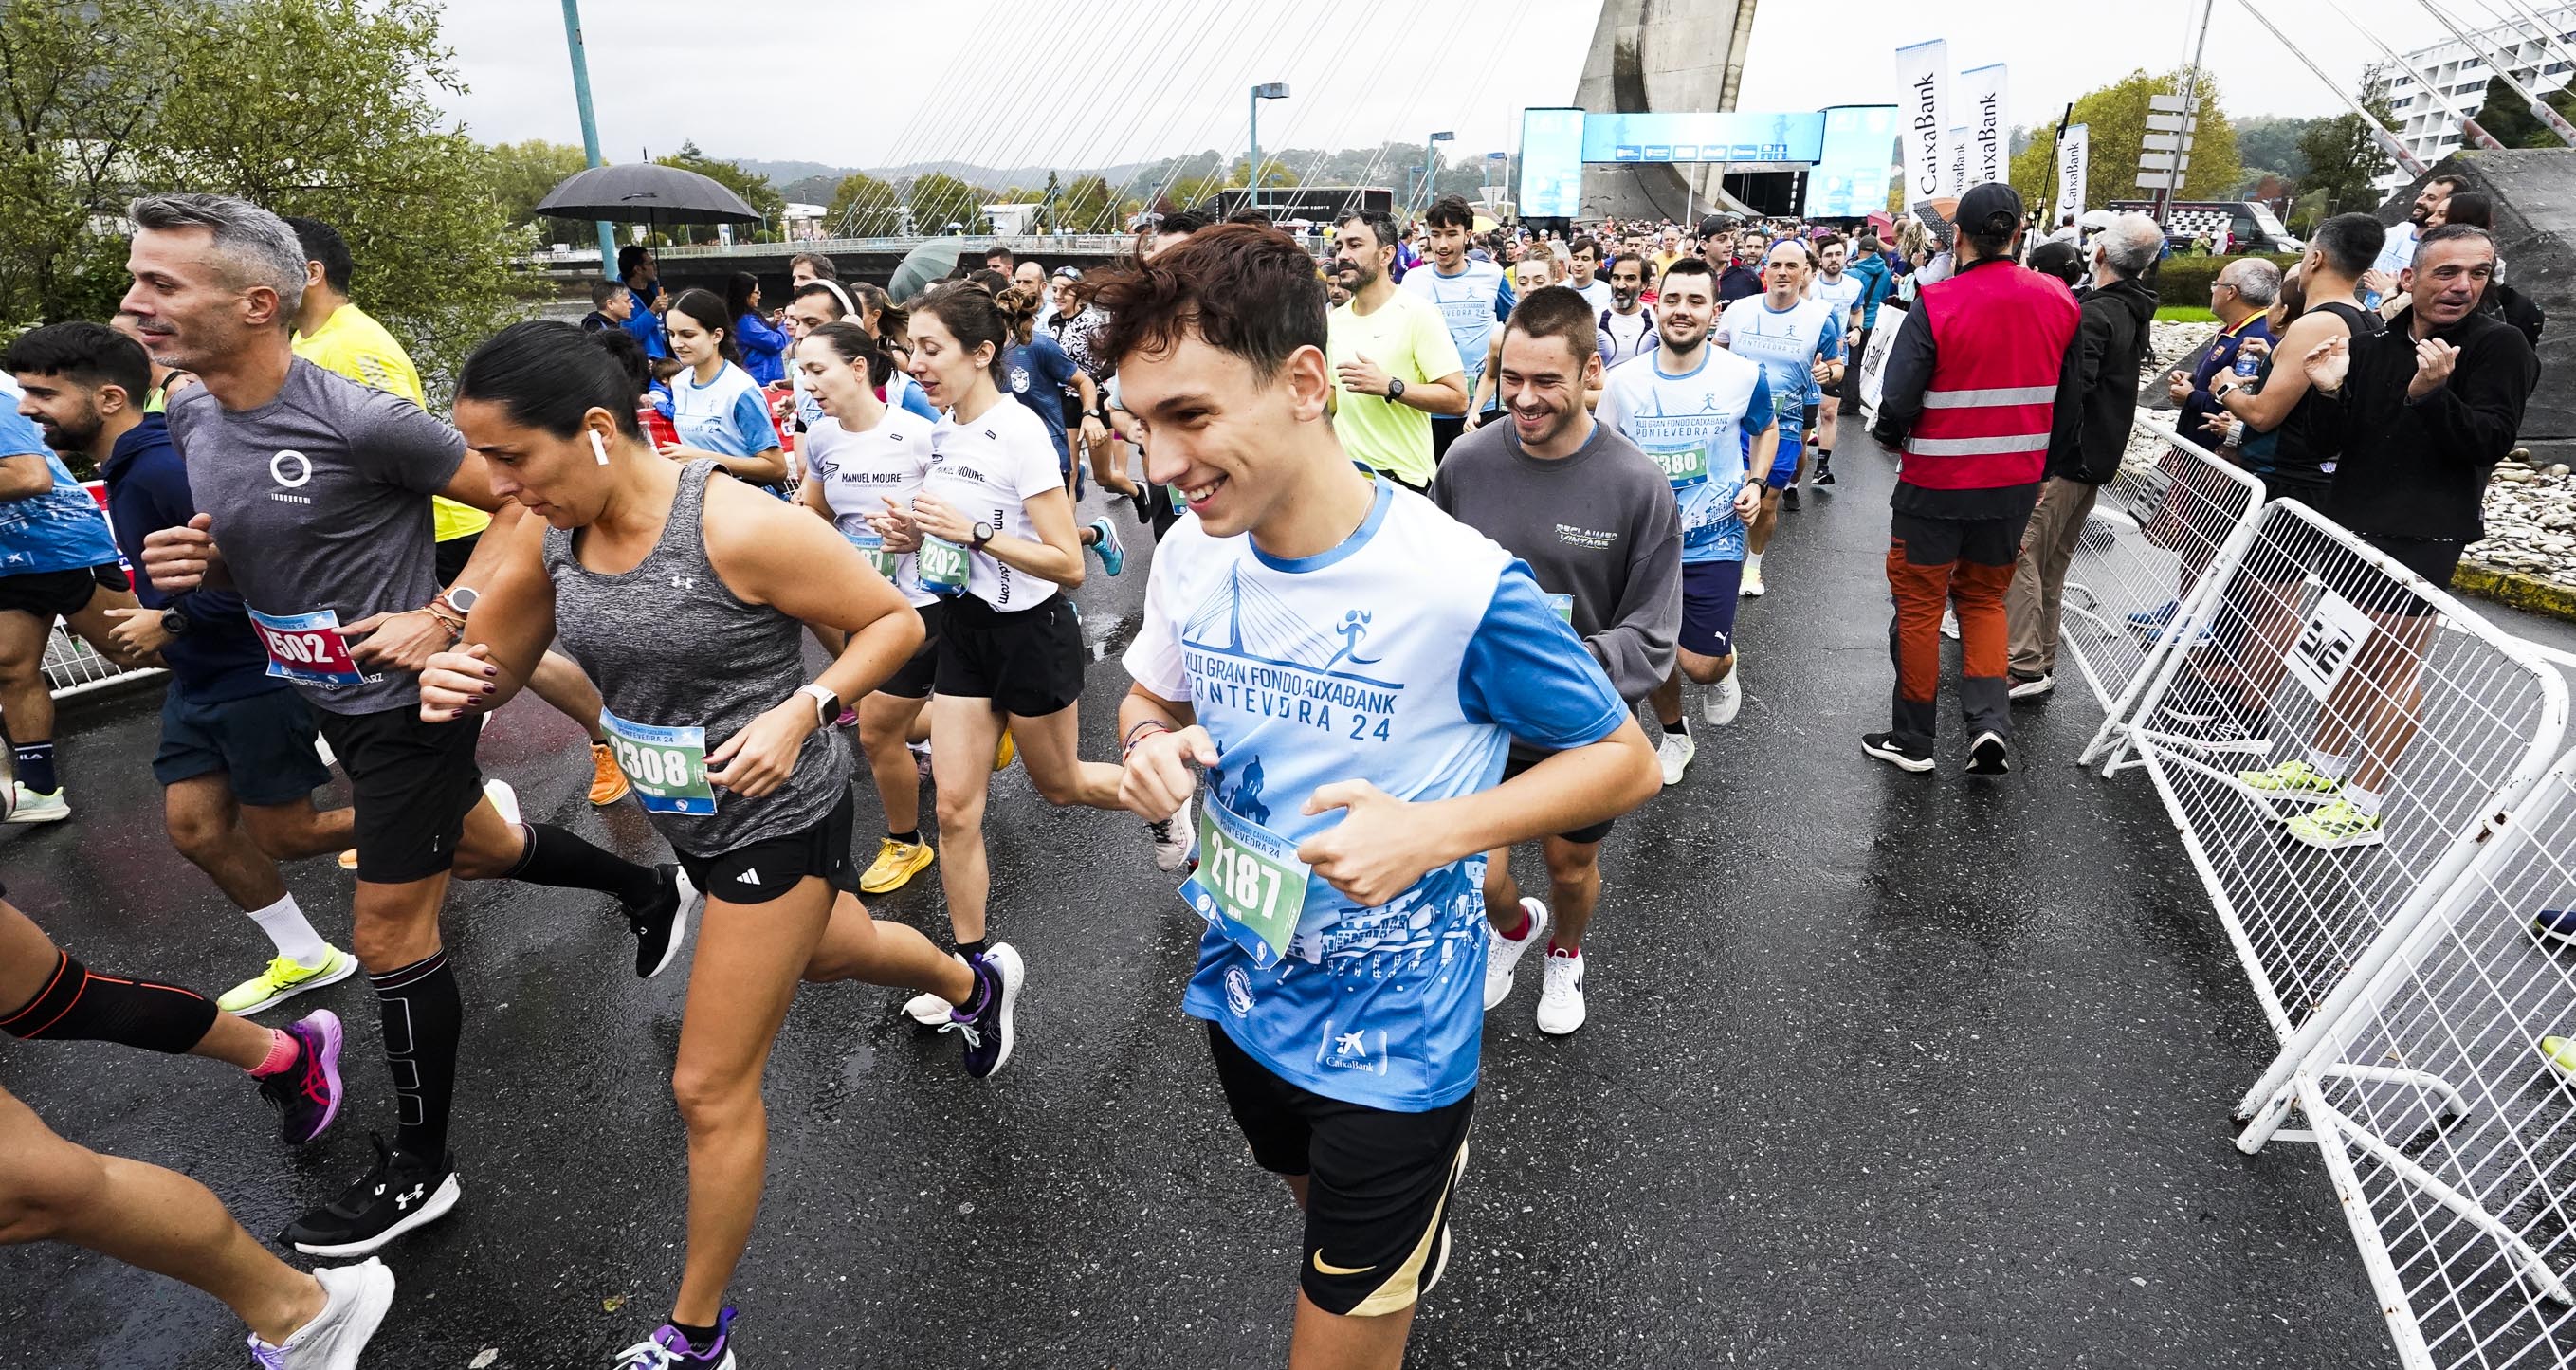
x,y
1824,474
1789,496
1144,500
987,1031
1889,748
401,1193
1989,755
661,926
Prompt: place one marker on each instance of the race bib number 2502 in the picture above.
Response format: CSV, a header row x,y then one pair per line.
x,y
307,648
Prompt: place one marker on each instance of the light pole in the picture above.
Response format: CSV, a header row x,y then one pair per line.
x,y
1268,90
589,126
1431,161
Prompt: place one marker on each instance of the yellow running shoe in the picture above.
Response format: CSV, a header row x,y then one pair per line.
x,y
607,782
1007,749
896,863
2559,1054
284,979
2292,779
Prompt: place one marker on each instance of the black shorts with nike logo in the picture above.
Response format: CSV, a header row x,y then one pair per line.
x,y
1379,1182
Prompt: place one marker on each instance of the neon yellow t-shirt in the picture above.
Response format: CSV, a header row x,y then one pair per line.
x,y
1408,337
353,344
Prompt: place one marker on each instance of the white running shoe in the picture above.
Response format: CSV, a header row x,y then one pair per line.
x,y
504,799
1950,624
1174,838
930,1010
2033,688
358,1296
1503,954
1752,587
1676,753
29,806
1724,698
1560,997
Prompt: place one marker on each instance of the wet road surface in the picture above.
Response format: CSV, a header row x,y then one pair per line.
x,y
1882,1070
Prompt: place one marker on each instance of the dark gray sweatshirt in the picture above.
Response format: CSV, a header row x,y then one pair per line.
x,y
1600,525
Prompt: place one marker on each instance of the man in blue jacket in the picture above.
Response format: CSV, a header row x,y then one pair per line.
x,y
237,763
2242,298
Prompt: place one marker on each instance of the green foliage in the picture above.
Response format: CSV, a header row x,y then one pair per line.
x,y
1085,207
522,174
314,107
939,199
2343,157
2117,118
2183,282
2272,140
754,188
863,207
2510,121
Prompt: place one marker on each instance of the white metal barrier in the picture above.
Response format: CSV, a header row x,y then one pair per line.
x,y
73,667
2322,656
2140,581
2448,1125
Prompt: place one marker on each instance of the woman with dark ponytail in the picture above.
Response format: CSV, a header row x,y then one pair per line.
x,y
717,407
687,597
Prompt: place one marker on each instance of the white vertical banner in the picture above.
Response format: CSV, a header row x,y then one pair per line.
x,y
1983,103
2074,158
1954,175
1923,85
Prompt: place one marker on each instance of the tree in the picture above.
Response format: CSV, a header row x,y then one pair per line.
x,y
755,190
1085,207
2508,118
2272,140
313,107
2343,158
863,207
522,173
939,199
2117,117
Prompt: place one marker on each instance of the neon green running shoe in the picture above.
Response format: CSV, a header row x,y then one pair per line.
x,y
2559,1054
2290,778
2336,826
284,979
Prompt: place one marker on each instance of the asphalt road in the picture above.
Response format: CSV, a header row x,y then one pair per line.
x,y
1882,1070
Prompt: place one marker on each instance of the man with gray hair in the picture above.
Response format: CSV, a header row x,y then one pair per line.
x,y
2242,297
318,489
2097,400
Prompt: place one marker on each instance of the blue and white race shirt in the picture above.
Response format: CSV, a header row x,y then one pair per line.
x,y
1473,303
1409,656
726,416
1695,426
1838,295
59,530
1787,342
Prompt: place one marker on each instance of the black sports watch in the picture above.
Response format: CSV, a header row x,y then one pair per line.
x,y
173,622
980,534
1394,390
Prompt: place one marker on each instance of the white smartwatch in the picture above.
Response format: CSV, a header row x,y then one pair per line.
x,y
827,705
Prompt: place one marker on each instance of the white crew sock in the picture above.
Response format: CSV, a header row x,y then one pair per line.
x,y
284,923
2367,801
1753,563
2329,765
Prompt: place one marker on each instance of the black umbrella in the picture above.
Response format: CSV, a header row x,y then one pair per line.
x,y
646,193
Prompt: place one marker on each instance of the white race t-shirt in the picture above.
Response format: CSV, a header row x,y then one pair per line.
x,y
1838,295
859,472
1596,294
988,470
1623,336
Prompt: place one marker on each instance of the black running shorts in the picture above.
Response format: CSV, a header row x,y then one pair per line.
x,y
412,783
50,595
262,743
767,869
1028,662
913,679
1379,1183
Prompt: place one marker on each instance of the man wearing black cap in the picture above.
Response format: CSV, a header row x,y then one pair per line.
x,y
1969,394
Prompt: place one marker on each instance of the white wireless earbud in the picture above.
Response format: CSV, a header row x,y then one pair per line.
x,y
597,448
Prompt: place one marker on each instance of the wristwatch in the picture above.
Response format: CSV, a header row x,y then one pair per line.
x,y
1394,390
173,622
827,705
980,534
463,599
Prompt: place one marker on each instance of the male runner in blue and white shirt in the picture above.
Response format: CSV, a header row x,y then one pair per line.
x,y
1800,345
1350,666
1474,298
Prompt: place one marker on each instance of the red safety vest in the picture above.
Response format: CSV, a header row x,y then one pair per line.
x,y
1999,336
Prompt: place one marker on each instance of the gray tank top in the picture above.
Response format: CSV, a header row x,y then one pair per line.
x,y
683,665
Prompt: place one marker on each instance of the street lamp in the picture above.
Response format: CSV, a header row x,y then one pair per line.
x,y
1431,160
1268,90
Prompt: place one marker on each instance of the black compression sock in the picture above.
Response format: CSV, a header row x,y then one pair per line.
x,y
910,837
423,1017
554,856
78,1005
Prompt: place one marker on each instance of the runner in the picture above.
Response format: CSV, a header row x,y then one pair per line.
x,y
1341,968
1473,298
996,539
1799,342
1596,523
716,406
1397,373
1038,372
1075,324
864,461
159,1220
828,301
1840,292
57,560
1583,275
318,489
336,335
688,596
1529,276
1627,327
237,761
1705,415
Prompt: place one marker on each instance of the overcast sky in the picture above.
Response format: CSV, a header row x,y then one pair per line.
x,y
1014,82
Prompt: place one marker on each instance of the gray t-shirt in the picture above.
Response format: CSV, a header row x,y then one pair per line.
x,y
1600,526
320,500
